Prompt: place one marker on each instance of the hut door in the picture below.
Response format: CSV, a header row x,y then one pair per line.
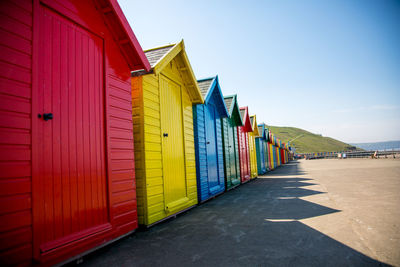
x,y
172,144
69,188
265,144
261,148
243,150
211,146
232,155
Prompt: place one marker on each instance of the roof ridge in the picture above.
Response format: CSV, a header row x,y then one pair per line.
x,y
206,79
160,47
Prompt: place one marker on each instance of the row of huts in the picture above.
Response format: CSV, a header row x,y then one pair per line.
x,y
98,136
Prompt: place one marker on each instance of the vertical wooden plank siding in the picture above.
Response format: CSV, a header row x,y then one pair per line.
x,y
244,155
271,155
146,106
260,156
252,155
209,148
201,151
226,154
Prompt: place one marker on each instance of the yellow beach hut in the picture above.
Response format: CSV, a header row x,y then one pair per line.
x,y
252,147
163,134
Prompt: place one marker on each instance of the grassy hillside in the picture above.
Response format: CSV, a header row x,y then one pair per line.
x,y
306,142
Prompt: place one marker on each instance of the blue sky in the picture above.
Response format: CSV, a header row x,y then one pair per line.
x,y
330,67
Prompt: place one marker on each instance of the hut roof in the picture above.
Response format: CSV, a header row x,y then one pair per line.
x,y
233,108
210,87
160,57
253,121
120,29
244,113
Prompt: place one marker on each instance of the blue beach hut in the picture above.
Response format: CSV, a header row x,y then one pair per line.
x,y
208,139
260,149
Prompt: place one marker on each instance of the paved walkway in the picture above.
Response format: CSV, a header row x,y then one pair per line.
x,y
286,218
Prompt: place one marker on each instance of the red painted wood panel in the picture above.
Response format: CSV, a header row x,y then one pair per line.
x,y
15,88
15,169
15,220
17,256
19,13
60,95
243,155
20,203
15,238
72,147
9,187
10,22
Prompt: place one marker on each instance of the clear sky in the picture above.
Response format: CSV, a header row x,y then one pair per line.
x,y
330,67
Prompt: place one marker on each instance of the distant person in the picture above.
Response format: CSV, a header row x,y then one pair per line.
x,y
375,154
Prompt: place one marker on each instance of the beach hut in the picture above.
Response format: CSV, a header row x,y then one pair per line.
x,y
260,149
283,157
274,156
252,147
67,182
244,155
278,156
267,153
271,156
163,134
208,139
230,142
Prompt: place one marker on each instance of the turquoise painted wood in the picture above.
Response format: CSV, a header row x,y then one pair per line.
x,y
260,150
208,140
267,157
230,142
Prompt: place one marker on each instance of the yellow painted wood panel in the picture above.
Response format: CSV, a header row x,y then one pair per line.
x,y
278,156
253,155
162,194
138,134
172,143
273,159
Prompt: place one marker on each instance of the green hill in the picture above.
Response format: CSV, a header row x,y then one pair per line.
x,y
306,142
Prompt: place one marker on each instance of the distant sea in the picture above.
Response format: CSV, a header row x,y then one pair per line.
x,y
389,145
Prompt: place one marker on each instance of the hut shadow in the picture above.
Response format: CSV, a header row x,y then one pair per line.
x,y
256,224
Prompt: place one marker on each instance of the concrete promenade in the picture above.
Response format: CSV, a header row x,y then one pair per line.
x,y
306,213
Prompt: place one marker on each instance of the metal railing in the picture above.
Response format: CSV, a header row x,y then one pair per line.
x,y
351,154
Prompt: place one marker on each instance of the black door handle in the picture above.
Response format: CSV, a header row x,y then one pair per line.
x,y
208,142
165,134
46,116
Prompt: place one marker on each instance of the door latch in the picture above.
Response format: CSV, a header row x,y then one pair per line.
x,y
165,134
46,116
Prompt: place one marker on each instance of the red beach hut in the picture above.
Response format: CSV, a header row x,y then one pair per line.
x,y
67,179
244,154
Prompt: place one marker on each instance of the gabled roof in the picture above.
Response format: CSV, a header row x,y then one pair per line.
x,y
254,126
210,87
160,57
267,134
244,113
233,109
205,87
119,27
154,55
261,131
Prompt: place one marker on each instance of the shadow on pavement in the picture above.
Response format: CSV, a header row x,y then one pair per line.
x,y
253,225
